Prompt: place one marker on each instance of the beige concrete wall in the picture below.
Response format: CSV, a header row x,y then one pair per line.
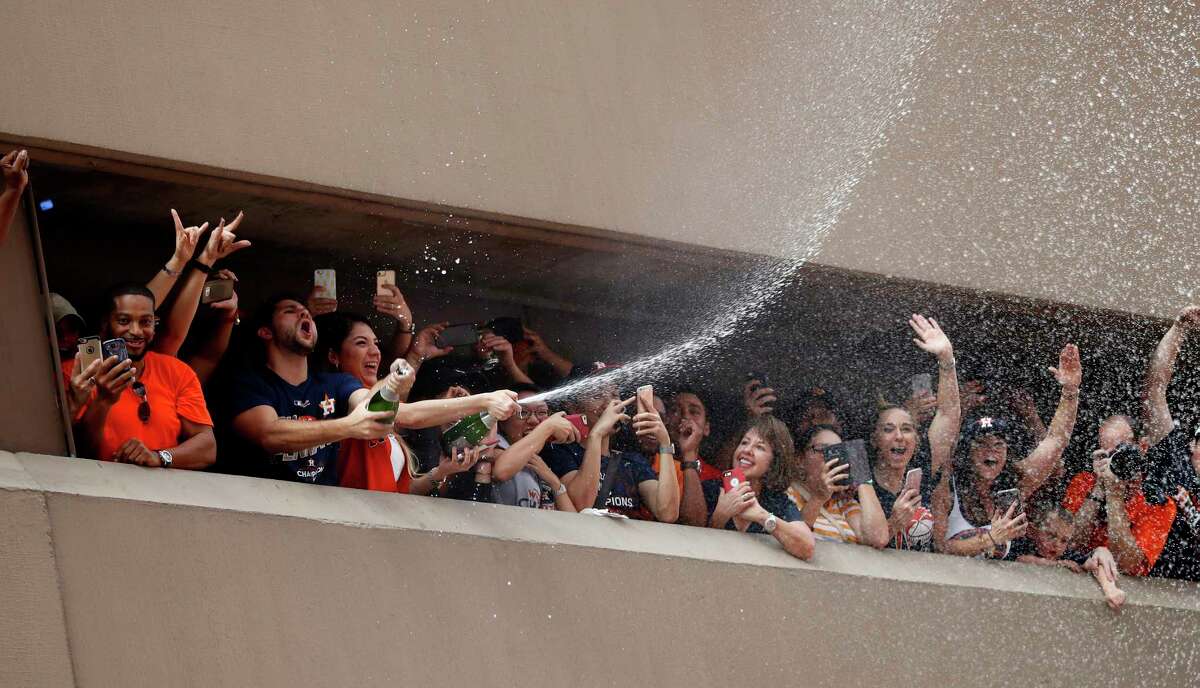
x,y
172,578
1040,149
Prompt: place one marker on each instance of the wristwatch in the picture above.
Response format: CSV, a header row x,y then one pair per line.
x,y
165,457
770,523
562,490
667,448
695,465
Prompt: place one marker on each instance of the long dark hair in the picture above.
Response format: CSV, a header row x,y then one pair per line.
x,y
969,501
332,331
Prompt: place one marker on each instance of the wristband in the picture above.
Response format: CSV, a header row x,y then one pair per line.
x,y
170,272
200,266
694,465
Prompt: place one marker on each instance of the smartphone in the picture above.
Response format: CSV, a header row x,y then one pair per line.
x,y
921,384
325,284
580,423
645,399
217,290
384,279
89,351
1003,499
508,327
461,334
733,479
840,452
115,347
912,480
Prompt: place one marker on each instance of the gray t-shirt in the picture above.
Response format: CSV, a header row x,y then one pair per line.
x,y
524,489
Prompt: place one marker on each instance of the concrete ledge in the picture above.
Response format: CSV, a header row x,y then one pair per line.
x,y
173,578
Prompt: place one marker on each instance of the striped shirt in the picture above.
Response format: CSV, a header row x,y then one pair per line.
x,y
833,523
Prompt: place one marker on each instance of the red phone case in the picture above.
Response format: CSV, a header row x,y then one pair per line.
x,y
730,476
580,424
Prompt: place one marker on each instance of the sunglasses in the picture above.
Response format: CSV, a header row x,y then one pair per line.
x,y
143,409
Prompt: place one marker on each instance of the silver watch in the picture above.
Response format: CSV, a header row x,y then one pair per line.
x,y
769,524
166,458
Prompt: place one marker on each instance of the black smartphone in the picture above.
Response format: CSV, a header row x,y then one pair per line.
x,y
860,465
1003,499
840,452
461,334
115,347
217,290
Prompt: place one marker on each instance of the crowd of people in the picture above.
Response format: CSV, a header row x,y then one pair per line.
x,y
944,470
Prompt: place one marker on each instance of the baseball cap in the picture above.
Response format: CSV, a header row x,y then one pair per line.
x,y
62,308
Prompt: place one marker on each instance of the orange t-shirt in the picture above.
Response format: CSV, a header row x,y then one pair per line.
x,y
367,465
1149,524
707,472
173,392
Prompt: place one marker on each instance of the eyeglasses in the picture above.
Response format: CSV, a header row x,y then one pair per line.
x,y
143,406
526,414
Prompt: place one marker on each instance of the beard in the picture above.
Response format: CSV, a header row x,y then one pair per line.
x,y
290,341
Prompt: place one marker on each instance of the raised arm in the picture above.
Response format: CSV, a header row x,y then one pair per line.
x,y
539,348
1155,413
943,430
500,405
186,239
222,242
511,461
206,359
393,306
15,169
584,484
662,495
1046,457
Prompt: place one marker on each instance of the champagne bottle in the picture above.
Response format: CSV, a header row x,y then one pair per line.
x,y
467,432
388,396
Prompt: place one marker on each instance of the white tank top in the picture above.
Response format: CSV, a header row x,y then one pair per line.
x,y
958,527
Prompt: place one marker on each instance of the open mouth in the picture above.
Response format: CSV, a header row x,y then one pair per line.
x,y
306,328
371,366
898,451
744,463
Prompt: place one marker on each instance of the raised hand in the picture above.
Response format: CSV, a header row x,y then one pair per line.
x,y
223,241
613,414
425,343
186,239
834,478
650,424
1007,527
690,437
230,305
113,378
320,305
758,400
15,169
922,407
392,304
562,431
930,337
500,346
1069,372
904,510
537,345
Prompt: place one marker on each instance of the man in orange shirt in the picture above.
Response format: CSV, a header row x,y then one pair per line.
x,y
1113,513
148,409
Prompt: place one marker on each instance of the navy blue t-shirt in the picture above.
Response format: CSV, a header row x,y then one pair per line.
x,y
632,471
323,396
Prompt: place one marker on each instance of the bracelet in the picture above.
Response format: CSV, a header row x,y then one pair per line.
x,y
994,545
170,272
197,265
562,490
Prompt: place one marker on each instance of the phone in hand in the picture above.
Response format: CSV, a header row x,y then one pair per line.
x,y
912,479
325,284
383,280
580,423
1003,499
841,453
115,347
217,290
733,479
462,334
89,351
921,384
645,399
860,465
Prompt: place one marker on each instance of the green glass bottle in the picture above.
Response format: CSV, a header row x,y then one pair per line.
x,y
388,396
467,432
